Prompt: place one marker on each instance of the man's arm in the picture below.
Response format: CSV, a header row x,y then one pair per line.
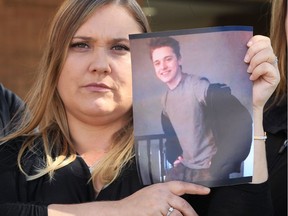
x,y
173,148
231,124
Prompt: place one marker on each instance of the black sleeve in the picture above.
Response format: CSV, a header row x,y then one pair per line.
x,y
238,200
10,106
231,124
13,101
246,199
13,194
173,148
23,209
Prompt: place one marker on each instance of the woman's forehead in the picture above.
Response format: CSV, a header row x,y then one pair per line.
x,y
109,19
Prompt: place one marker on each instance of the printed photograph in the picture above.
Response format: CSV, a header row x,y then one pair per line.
x,y
192,106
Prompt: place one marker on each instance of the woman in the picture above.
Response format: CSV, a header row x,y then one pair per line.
x,y
81,110
275,115
81,107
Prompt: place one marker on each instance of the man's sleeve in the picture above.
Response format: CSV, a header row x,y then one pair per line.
x,y
173,148
231,124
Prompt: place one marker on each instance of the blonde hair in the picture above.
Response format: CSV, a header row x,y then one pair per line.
x,y
45,117
279,44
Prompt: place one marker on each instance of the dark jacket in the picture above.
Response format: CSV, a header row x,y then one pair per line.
x,y
10,105
231,124
275,124
70,184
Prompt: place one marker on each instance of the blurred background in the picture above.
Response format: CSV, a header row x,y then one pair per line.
x,y
23,25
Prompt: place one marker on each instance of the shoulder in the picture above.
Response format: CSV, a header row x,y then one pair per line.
x,y
10,99
219,87
10,105
198,83
12,145
217,91
194,78
9,152
2,90
9,96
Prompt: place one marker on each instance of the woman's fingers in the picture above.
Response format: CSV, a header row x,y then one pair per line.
x,y
265,55
181,207
157,199
267,71
256,44
260,51
179,188
263,69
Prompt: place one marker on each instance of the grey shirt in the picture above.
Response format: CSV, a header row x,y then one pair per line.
x,y
184,107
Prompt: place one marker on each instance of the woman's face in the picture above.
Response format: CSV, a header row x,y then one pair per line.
x,y
96,81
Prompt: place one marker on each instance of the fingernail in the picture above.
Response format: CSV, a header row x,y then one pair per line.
x,y
249,69
246,58
207,189
249,43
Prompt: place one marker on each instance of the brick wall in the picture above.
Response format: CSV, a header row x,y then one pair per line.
x,y
22,30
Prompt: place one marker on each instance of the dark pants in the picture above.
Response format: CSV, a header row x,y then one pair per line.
x,y
183,173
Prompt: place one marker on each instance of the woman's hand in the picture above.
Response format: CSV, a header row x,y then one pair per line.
x,y
265,76
157,199
162,199
263,69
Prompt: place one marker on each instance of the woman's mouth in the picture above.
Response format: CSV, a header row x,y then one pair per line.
x,y
97,87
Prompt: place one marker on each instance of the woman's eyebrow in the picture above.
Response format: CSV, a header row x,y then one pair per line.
x,y
82,37
120,39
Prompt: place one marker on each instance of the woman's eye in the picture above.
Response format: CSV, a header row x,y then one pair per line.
x,y
121,47
79,45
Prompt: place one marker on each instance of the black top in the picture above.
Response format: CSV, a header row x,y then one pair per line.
x,y
275,118
71,185
275,124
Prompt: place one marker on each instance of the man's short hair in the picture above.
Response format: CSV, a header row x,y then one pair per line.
x,y
159,42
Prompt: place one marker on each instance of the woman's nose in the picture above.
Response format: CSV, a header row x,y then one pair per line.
x,y
99,61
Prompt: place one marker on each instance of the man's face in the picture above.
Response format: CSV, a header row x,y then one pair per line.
x,y
166,64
